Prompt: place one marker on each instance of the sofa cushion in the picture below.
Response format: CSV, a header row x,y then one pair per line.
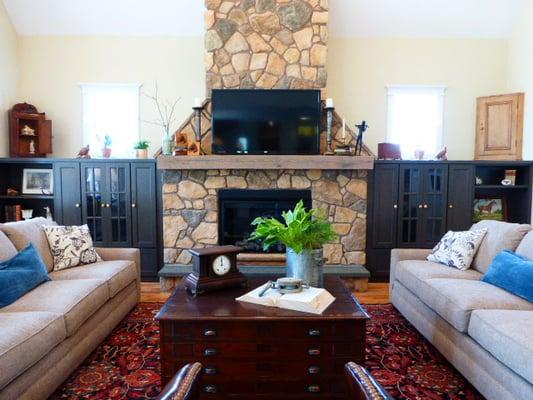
x,y
24,232
412,273
500,236
7,248
525,248
455,299
117,274
508,336
26,338
76,300
21,274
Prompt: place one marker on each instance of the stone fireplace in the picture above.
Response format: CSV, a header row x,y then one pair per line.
x,y
266,44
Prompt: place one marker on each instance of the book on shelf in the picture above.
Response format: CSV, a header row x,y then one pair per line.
x,y
13,213
312,300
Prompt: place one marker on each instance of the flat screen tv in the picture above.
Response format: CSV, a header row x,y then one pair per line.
x,y
266,121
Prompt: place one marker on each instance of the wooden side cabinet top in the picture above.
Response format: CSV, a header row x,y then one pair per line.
x,y
500,125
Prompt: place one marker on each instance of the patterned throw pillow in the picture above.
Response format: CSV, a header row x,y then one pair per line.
x,y
457,249
71,246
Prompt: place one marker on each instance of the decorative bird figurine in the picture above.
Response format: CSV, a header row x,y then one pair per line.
x,y
84,152
442,154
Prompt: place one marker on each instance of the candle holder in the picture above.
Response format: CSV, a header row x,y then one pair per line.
x,y
198,127
329,122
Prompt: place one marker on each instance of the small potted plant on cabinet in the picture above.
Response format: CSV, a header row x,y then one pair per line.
x,y
106,150
141,148
303,233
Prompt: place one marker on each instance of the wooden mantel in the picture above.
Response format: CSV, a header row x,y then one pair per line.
x,y
254,162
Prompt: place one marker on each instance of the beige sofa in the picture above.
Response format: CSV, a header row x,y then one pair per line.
x,y
48,332
484,331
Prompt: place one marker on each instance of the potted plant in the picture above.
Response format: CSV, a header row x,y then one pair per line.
x,y
142,148
303,232
106,150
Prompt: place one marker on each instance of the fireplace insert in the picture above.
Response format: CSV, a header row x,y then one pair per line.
x,y
237,208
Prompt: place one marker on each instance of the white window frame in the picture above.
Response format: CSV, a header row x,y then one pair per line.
x,y
439,90
86,132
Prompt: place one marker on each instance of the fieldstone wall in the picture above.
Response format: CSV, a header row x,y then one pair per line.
x,y
266,44
190,204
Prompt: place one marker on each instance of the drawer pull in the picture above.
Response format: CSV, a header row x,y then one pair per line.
x,y
313,389
210,333
314,332
210,370
210,389
313,352
314,369
210,352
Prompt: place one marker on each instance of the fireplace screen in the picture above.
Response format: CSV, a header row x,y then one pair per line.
x,y
239,207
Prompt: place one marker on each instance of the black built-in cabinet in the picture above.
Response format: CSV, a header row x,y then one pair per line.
x,y
117,199
413,204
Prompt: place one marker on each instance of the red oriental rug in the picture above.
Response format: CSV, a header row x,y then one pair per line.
x,y
126,364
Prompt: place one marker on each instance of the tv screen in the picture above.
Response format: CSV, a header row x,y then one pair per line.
x,y
266,121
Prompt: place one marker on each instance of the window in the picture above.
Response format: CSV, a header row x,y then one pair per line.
x,y
415,115
111,109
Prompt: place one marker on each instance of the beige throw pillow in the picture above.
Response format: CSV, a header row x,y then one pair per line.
x,y
71,246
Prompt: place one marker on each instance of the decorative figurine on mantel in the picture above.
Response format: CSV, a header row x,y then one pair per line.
x,y
442,154
84,153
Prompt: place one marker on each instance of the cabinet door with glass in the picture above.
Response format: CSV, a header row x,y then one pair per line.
x,y
410,204
118,205
93,193
433,221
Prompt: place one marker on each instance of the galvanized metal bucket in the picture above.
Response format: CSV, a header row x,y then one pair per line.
x,y
308,266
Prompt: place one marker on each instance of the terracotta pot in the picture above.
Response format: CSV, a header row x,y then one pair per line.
x,y
142,153
106,152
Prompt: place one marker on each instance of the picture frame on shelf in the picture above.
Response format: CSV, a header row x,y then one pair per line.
x,y
490,207
37,181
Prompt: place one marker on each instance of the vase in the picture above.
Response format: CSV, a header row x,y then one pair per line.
x,y
308,266
106,152
167,145
142,153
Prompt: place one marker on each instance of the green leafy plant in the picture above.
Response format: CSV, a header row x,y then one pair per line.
x,y
301,230
141,145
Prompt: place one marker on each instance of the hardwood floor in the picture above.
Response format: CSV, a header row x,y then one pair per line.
x,y
378,293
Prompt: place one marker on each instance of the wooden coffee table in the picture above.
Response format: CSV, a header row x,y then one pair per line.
x,y
256,352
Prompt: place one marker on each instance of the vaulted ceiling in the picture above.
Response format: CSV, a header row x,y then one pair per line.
x,y
348,18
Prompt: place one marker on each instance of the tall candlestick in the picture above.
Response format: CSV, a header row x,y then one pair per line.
x,y
329,103
197,102
343,129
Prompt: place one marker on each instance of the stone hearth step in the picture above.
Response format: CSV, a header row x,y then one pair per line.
x,y
356,276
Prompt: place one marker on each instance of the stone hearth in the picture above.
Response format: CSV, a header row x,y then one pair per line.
x,y
190,214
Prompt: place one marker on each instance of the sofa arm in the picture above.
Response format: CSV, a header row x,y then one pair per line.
x,y
398,255
118,253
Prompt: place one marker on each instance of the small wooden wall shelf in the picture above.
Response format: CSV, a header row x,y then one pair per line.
x,y
253,162
29,131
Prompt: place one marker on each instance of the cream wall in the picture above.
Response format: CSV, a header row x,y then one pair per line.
x,y
51,68
521,72
8,76
360,69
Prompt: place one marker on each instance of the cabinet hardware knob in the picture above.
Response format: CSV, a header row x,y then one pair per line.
x,y
395,206
420,206
314,369
313,389
102,205
210,370
314,332
450,206
313,352
210,332
210,389
426,206
210,352
77,205
133,205
107,205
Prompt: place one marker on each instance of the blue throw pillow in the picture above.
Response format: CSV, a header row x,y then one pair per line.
x,y
512,272
21,274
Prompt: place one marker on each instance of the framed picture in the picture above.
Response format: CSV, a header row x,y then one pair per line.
x,y
490,207
37,181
